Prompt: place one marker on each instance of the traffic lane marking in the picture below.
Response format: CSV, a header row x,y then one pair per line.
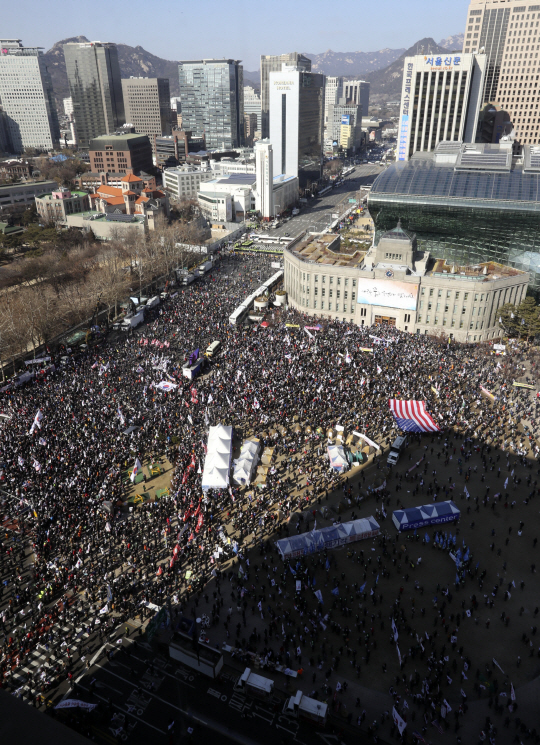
x,y
236,736
124,711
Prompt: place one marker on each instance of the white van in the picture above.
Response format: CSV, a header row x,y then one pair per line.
x,y
399,445
213,348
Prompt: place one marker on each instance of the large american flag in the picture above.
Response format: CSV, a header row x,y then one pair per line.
x,y
411,416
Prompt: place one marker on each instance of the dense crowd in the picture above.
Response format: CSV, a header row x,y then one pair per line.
x,y
72,555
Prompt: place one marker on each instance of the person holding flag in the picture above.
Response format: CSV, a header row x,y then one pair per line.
x,y
137,468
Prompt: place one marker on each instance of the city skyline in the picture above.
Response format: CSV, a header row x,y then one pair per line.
x,y
229,37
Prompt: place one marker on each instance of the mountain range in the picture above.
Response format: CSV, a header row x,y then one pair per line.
x,y
386,83
382,68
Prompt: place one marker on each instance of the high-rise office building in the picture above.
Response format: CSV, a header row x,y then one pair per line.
x,y
26,96
274,63
147,105
440,100
345,124
96,89
357,92
296,123
252,104
212,95
264,201
508,32
250,127
333,91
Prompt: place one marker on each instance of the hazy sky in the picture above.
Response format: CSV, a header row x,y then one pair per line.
x,y
239,29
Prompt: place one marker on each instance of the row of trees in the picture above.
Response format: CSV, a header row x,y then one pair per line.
x,y
47,295
521,320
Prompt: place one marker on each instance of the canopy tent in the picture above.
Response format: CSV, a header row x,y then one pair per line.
x,y
245,465
338,459
427,514
330,537
218,458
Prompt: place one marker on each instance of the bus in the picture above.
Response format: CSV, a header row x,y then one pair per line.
x,y
247,244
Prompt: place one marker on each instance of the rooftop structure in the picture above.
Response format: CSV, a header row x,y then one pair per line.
x,y
325,249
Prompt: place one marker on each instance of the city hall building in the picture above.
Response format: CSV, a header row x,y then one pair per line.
x,y
395,284
467,203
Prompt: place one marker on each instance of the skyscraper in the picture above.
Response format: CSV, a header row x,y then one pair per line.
x,y
26,96
147,103
96,89
333,91
357,92
252,103
440,100
509,34
296,123
274,63
212,94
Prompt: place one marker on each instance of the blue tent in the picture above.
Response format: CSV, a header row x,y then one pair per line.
x,y
427,514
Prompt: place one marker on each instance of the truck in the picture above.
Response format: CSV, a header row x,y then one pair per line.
x,y
187,279
132,321
398,446
255,685
153,302
303,707
203,268
195,653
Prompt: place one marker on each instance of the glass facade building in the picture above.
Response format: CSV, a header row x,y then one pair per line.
x,y
468,204
212,94
95,86
28,115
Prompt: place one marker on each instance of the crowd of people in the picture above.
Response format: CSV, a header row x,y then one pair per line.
x,y
76,560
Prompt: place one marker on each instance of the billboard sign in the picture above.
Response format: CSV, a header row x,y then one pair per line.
x,y
346,119
387,293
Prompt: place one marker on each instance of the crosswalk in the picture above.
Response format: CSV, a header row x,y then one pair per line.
x,y
27,679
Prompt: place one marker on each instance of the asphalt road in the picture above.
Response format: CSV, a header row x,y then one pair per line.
x,y
317,214
143,692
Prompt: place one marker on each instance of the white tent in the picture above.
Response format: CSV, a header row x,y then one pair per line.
x,y
338,459
218,458
245,466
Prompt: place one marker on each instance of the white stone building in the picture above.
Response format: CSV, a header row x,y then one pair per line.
x,y
396,285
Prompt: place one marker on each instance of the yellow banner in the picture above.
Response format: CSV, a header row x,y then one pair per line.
x,y
524,385
435,391
366,349
292,325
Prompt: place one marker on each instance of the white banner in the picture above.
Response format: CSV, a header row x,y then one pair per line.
x,y
37,361
74,703
308,333
394,629
366,439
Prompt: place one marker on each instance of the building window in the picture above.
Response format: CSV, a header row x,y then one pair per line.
x,y
353,294
423,291
354,284
345,294
461,324
329,306
323,292
431,293
315,303
419,319
428,318
322,304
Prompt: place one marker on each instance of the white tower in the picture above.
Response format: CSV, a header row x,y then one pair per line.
x,y
264,201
